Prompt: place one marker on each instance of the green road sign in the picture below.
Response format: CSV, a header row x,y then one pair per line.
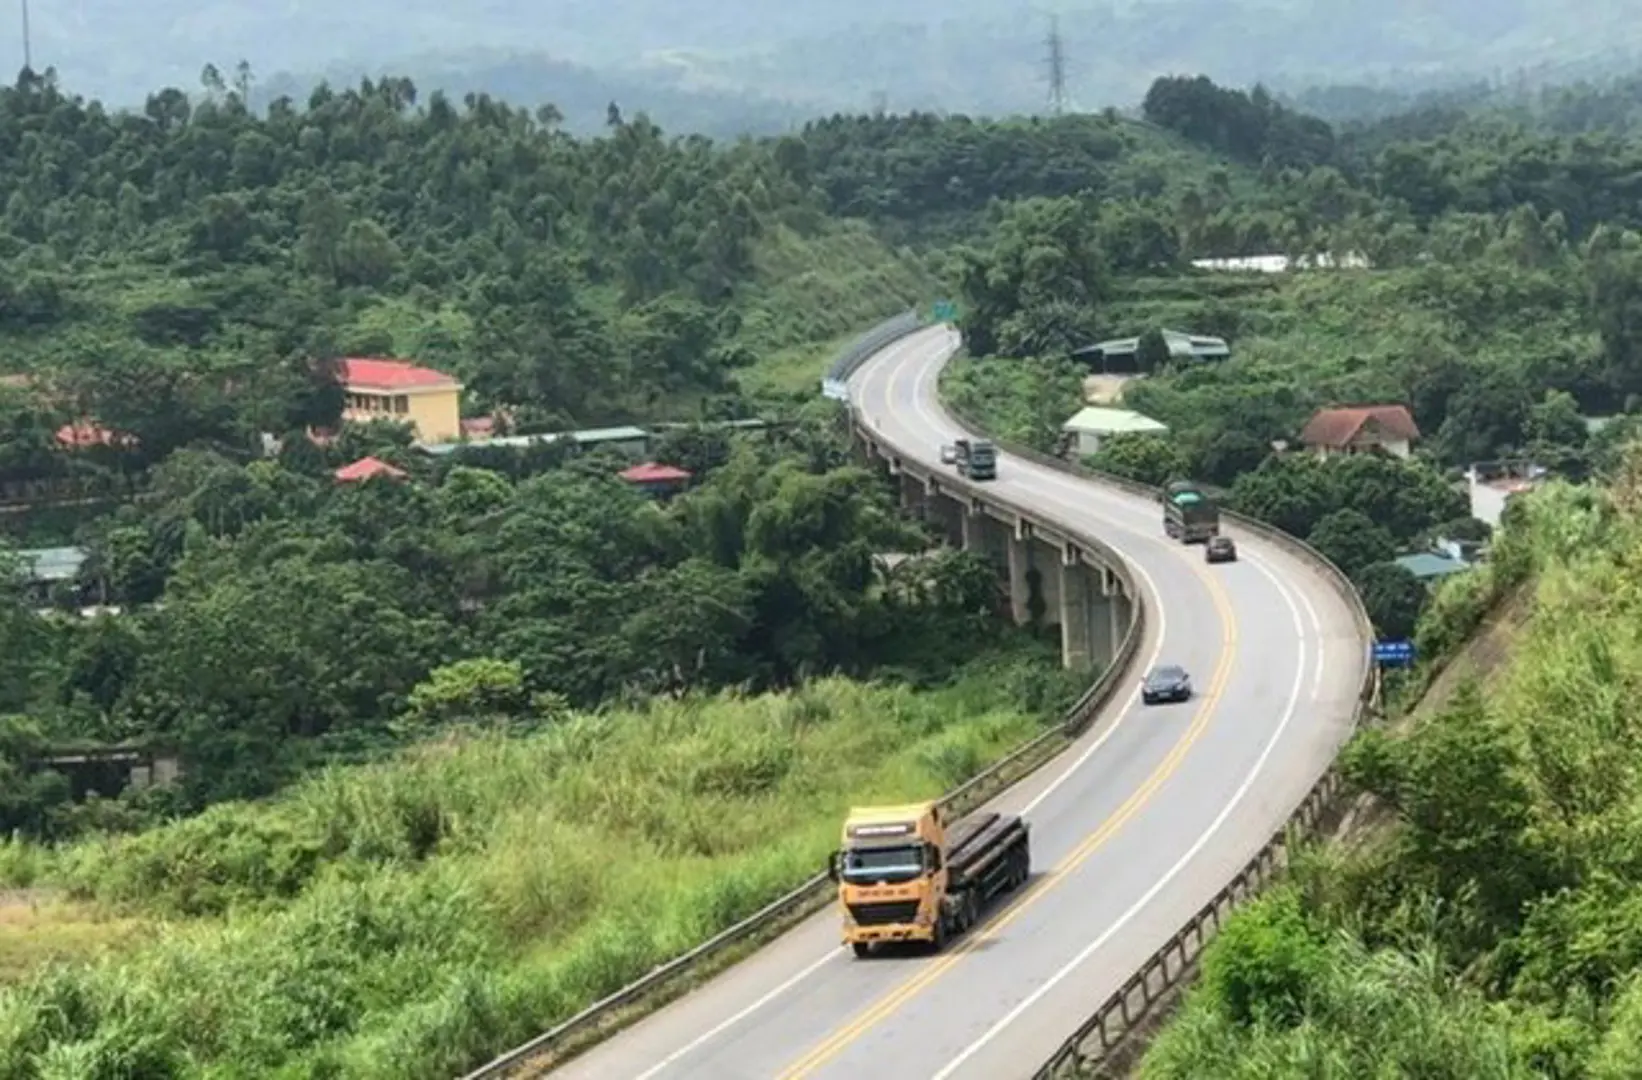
x,y
945,311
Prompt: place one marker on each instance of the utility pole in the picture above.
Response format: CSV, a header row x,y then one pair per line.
x,y
1057,68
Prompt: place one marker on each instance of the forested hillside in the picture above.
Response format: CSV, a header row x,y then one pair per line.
x,y
422,676
184,279
1480,924
1504,270
1490,931
460,742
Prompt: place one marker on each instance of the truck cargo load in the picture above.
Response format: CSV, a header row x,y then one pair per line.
x,y
1189,514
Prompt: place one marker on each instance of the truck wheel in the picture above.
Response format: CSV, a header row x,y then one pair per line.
x,y
863,949
939,941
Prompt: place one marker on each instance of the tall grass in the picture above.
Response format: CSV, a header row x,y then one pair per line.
x,y
409,918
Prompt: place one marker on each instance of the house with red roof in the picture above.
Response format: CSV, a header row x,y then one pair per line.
x,y
367,468
655,479
429,401
1383,429
86,434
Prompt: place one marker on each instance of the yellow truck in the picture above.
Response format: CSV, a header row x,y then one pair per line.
x,y
904,875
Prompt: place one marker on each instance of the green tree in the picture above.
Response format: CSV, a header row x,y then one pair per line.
x,y
481,690
1394,598
1152,351
1036,289
1352,541
1143,458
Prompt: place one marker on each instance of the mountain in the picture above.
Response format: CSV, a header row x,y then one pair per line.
x,y
698,59
582,94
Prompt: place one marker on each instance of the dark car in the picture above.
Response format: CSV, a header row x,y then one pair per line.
x,y
1167,683
1220,549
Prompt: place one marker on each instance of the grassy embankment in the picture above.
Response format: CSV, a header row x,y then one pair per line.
x,y
406,919
1487,926
812,297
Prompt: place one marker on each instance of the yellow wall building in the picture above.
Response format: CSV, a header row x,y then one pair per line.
x,y
430,401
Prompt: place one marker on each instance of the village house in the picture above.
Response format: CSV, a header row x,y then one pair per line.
x,y
1385,429
367,468
1084,433
657,480
429,401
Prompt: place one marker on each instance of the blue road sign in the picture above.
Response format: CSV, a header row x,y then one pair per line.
x,y
1394,653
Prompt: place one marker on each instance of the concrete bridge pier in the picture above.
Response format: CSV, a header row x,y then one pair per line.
x,y
914,496
1051,581
1076,611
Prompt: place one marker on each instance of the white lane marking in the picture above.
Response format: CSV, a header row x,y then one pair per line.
x,y
712,1033
1311,617
1150,585
1163,882
1128,706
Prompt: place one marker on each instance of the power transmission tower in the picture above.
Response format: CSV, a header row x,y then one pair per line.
x,y
28,53
1057,68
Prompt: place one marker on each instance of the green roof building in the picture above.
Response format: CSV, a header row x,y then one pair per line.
x,y
1085,431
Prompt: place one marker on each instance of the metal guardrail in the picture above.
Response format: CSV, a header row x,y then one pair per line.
x,y
1110,1039
871,342
610,1013
1106,1044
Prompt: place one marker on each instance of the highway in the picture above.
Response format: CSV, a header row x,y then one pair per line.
x,y
1134,828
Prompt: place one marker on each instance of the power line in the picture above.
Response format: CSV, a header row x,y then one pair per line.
x,y
1057,68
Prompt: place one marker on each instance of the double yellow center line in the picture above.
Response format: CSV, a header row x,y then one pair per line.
x,y
886,1006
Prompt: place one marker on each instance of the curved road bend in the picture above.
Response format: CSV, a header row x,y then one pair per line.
x,y
1134,828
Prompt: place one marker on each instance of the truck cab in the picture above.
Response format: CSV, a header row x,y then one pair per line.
x,y
976,459
904,876
891,874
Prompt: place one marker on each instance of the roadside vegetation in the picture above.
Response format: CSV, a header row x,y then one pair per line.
x,y
409,918
1502,322
1489,930
465,749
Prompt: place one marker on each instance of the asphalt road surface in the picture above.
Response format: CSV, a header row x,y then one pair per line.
x,y
1133,829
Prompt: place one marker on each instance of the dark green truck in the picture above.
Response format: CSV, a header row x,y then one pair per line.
x,y
1189,514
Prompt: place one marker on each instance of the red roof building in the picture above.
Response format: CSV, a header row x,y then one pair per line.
x,y
373,374
429,401
652,473
367,468
87,434
657,479
1386,429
